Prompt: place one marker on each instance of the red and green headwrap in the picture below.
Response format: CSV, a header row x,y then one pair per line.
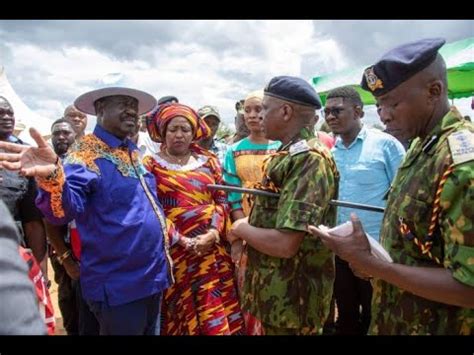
x,y
158,119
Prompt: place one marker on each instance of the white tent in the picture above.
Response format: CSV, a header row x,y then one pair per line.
x,y
24,116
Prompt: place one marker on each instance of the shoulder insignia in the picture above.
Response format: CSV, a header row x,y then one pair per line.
x,y
461,144
299,147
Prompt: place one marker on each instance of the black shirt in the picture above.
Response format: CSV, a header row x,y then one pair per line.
x,y
19,193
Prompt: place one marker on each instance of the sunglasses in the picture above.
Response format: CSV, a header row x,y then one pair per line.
x,y
335,111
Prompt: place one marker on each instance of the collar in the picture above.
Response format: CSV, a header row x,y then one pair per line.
x,y
360,136
451,120
447,123
111,140
13,139
438,134
305,133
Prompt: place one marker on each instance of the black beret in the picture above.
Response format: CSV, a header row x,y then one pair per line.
x,y
293,89
399,65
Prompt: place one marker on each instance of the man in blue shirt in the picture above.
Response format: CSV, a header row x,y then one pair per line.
x,y
103,185
367,160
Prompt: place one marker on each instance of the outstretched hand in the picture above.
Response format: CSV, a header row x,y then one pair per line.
x,y
29,161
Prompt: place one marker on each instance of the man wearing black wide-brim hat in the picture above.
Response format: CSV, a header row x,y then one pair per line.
x,y
428,226
104,187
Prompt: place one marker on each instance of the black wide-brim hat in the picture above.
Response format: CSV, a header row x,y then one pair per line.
x,y
85,102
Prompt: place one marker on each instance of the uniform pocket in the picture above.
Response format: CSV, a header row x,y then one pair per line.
x,y
413,221
415,210
297,215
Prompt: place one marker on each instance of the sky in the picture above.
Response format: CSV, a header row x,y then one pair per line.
x,y
216,62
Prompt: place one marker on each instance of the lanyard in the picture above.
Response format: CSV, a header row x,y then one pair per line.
x,y
160,217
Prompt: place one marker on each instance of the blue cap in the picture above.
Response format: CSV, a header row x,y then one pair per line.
x,y
400,64
293,89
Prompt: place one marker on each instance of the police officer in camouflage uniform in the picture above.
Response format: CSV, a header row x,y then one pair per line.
x,y
288,285
428,226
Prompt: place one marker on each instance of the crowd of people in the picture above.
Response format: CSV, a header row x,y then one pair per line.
x,y
142,242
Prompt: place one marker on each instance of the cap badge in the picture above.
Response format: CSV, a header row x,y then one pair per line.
x,y
373,81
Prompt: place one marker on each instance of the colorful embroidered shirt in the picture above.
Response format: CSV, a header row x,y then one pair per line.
x,y
122,255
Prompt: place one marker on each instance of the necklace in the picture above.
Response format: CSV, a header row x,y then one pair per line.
x,y
180,161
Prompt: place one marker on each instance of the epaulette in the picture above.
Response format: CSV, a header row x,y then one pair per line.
x,y
461,146
299,147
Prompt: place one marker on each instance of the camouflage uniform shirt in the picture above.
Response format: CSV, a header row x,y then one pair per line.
x,y
411,201
294,293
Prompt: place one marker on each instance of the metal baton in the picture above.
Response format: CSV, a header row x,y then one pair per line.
x,y
358,206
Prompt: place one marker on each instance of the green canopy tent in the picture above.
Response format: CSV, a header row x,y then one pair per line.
x,y
459,57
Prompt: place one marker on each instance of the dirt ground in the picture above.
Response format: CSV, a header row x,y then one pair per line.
x,y
53,291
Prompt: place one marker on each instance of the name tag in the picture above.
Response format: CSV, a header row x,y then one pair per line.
x,y
299,147
461,145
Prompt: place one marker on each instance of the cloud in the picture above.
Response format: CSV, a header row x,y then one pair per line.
x,y
131,39
205,62
50,63
117,38
364,41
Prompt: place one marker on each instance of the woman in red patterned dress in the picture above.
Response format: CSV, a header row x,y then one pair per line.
x,y
203,300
